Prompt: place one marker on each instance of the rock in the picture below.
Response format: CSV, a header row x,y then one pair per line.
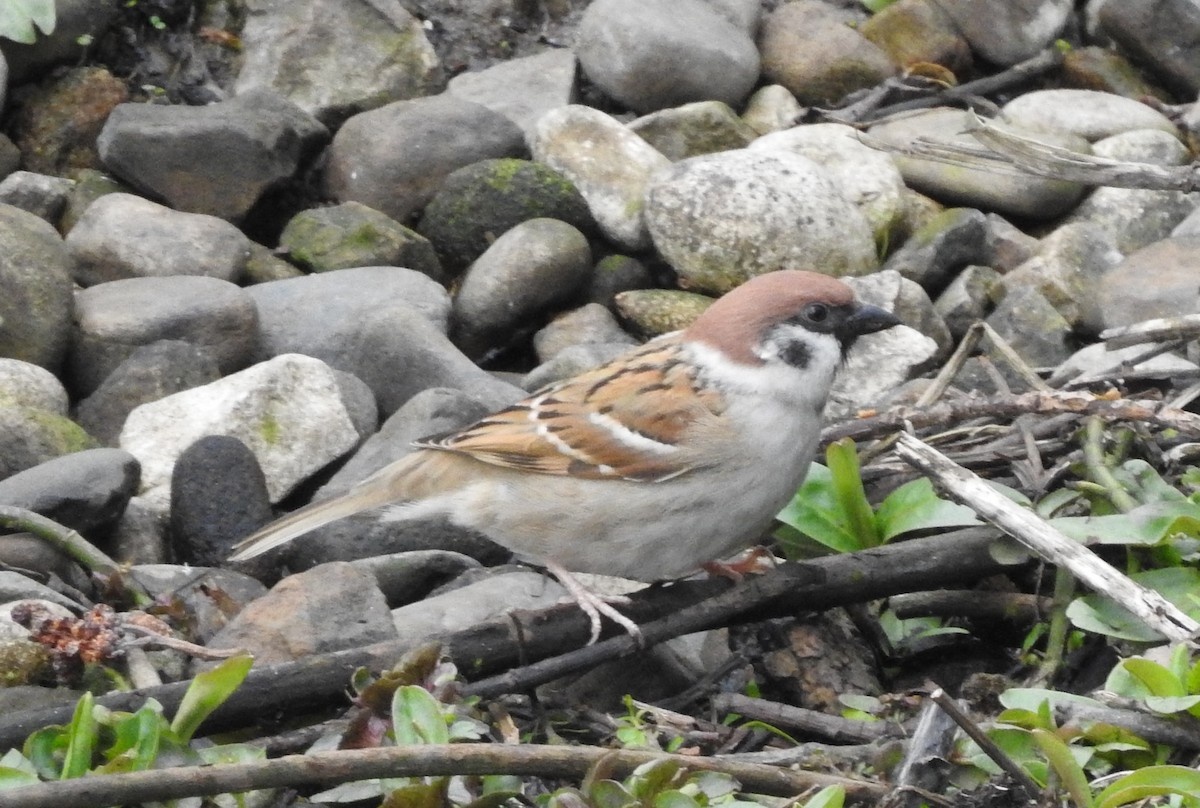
x,y
330,608
86,491
522,89
701,127
480,202
24,551
24,384
1133,218
1032,326
408,577
614,274
40,194
151,372
867,177
1005,32
1099,359
723,218
35,274
210,597
772,108
113,319
354,235
141,535
1160,34
610,165
394,158
586,325
651,312
1016,195
1008,246
1069,267
125,236
30,436
935,253
967,298
287,410
334,59
1156,281
1097,68
533,267
217,159
384,325
652,54
912,32
56,125
218,497
1089,114
466,606
90,184
808,48
571,361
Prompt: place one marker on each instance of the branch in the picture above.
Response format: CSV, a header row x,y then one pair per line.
x,y
329,768
1035,533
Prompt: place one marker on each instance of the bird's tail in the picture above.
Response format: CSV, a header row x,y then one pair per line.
x,y
370,493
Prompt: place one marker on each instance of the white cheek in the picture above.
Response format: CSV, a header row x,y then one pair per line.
x,y
775,379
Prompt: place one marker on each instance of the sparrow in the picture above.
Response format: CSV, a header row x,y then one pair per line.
x,y
668,457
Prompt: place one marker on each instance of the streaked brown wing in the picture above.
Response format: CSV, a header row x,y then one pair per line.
x,y
621,420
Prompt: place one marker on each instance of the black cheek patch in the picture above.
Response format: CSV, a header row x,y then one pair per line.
x,y
796,354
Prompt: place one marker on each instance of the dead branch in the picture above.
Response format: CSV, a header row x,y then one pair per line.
x,y
329,768
1035,533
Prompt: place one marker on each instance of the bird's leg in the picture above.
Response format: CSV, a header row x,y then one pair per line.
x,y
594,605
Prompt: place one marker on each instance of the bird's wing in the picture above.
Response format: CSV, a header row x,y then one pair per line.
x,y
628,419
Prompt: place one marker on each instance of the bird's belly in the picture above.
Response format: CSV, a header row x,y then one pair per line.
x,y
643,531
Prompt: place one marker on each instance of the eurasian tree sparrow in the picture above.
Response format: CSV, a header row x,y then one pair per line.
x,y
677,453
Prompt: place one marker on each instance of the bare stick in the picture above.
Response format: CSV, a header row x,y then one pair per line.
x,y
989,746
831,728
342,766
1035,533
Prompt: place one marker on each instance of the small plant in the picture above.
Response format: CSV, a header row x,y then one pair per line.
x,y
831,508
20,20
103,741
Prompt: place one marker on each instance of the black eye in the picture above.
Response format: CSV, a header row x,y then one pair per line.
x,y
816,312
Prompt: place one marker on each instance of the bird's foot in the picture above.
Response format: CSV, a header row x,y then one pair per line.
x,y
594,605
754,561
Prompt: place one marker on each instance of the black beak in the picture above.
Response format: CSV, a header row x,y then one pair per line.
x,y
864,320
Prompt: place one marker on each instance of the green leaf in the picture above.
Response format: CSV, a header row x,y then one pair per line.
x,y
1144,526
653,777
419,794
1063,762
19,17
611,794
1031,698
137,738
1158,680
828,797
842,459
815,512
417,717
45,748
915,506
674,798
207,692
1150,782
82,734
14,778
1101,615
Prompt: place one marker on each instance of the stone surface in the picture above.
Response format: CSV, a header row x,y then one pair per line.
x,y
701,127
113,319
533,267
287,410
610,165
35,274
1090,114
394,158
125,236
723,218
217,159
334,58
1156,281
522,89
42,195
652,54
86,491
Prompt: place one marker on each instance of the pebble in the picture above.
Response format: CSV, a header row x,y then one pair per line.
x,y
35,274
86,491
722,218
